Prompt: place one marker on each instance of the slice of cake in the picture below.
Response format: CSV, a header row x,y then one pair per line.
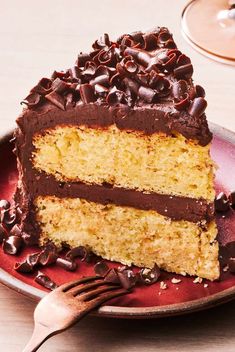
x,y
114,154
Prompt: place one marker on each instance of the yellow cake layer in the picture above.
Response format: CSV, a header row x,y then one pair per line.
x,y
154,163
129,235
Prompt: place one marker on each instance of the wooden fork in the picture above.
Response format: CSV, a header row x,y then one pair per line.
x,y
66,305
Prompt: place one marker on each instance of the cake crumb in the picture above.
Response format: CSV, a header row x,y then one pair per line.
x,y
205,285
197,280
177,288
163,285
225,269
175,281
159,293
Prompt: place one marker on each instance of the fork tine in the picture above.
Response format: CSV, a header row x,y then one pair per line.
x,y
67,286
106,297
79,289
94,293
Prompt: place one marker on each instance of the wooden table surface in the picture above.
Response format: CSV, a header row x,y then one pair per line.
x,y
35,38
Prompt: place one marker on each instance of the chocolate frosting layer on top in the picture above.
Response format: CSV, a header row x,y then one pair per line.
x,y
139,82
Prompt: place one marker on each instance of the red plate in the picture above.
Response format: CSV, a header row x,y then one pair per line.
x,y
149,301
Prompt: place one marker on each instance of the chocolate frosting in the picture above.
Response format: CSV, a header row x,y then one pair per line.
x,y
140,82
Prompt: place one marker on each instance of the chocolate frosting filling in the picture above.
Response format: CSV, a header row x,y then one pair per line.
x,y
174,207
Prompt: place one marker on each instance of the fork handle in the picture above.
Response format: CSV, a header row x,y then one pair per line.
x,y
40,334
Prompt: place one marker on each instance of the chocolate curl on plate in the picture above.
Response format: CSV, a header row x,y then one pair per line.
x,y
197,107
33,99
3,233
43,87
67,264
12,245
149,276
45,281
56,99
87,93
82,59
101,268
28,265
141,56
4,204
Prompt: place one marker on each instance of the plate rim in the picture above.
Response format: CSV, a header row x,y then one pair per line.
x,y
210,301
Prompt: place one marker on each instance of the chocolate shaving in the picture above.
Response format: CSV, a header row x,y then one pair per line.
x,y
112,277
32,100
82,59
4,204
23,267
101,268
127,278
45,281
184,71
231,265
12,245
67,264
48,257
3,233
221,202
197,107
149,276
147,94
16,230
87,93
56,99
43,87
232,199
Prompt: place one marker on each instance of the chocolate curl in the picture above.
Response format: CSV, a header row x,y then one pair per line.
x,y
90,69
115,97
197,107
12,245
184,71
117,81
59,74
127,41
150,42
43,87
59,86
103,80
147,94
82,59
56,99
101,268
67,264
3,233
102,71
87,93
138,38
45,281
4,204
159,83
102,42
200,92
170,63
183,103
149,276
164,37
179,89
143,78
23,267
140,55
183,60
132,85
101,90
221,203
33,99
74,73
